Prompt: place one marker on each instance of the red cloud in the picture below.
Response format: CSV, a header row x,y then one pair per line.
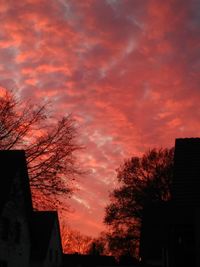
x,y
127,70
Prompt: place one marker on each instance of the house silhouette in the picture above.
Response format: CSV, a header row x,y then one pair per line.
x,y
27,238
46,247
170,231
31,238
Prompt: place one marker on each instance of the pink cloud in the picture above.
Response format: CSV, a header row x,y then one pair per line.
x,y
127,70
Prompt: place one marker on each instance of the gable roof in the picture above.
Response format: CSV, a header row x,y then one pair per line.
x,y
12,164
42,224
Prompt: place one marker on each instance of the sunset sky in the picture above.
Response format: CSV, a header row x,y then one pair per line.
x,y
128,70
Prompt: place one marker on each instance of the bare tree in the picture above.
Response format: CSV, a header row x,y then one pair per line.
x,y
17,119
73,241
50,145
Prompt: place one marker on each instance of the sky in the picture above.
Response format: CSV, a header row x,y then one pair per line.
x,y
128,71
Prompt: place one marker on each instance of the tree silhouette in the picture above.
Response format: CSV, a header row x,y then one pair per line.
x,y
50,144
99,245
142,181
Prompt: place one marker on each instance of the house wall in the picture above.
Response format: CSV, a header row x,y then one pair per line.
x,y
186,182
54,253
14,230
197,234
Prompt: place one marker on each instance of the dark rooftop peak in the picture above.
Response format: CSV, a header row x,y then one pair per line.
x,y
188,140
12,154
12,163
